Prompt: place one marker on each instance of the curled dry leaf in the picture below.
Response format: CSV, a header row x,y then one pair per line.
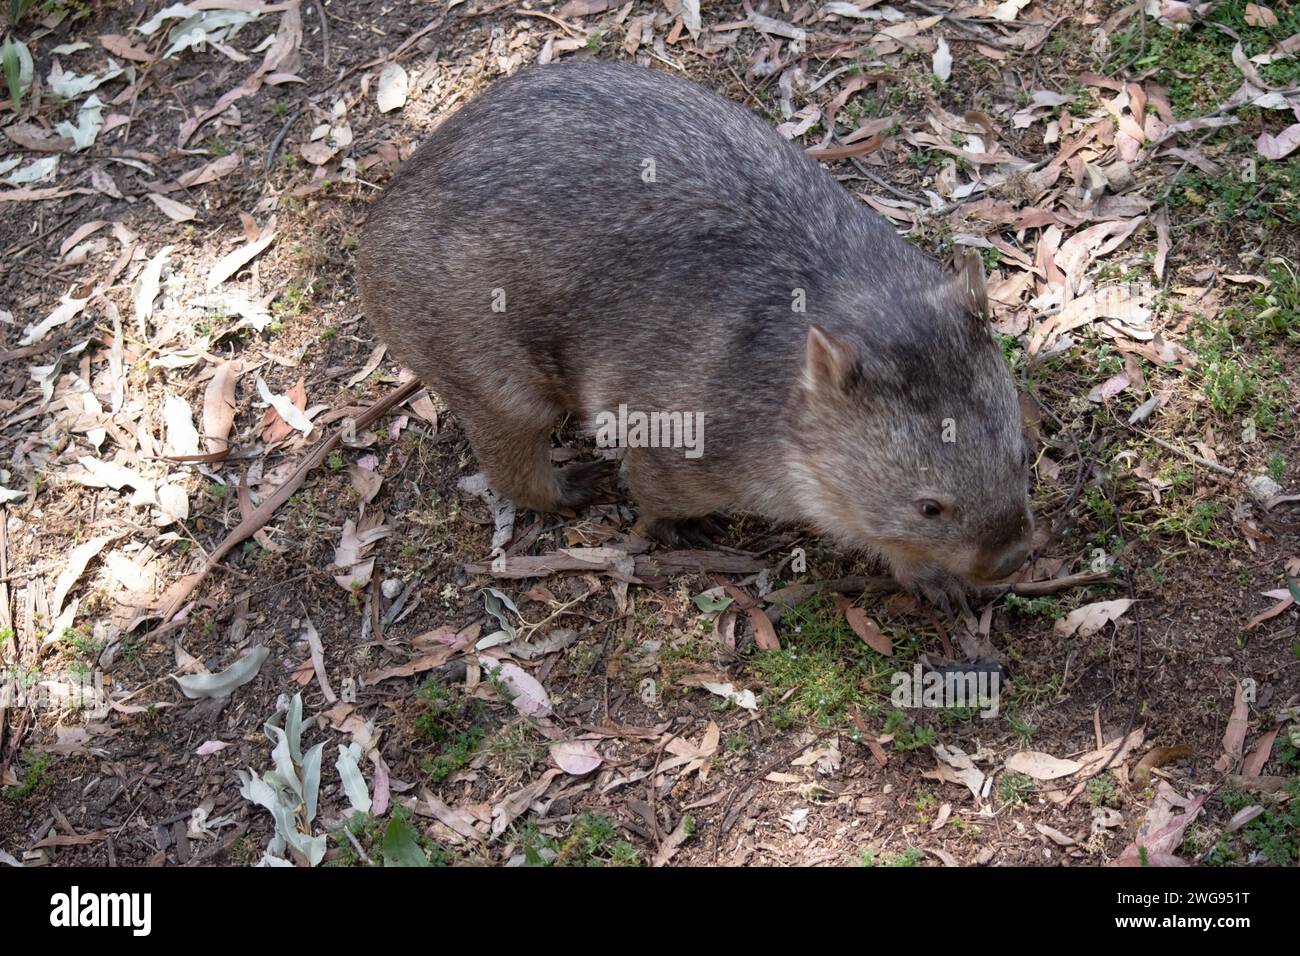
x,y
1260,16
1234,737
219,406
195,686
1281,145
147,288
517,803
942,61
81,232
78,558
365,481
67,309
182,437
955,767
1009,10
173,504
1091,618
354,545
392,88
121,46
288,407
210,172
1162,831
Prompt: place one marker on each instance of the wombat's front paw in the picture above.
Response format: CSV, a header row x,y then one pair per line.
x,y
578,483
934,585
682,532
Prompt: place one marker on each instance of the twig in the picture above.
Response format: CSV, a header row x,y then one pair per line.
x,y
6,619
653,789
279,138
324,35
546,16
885,185
1195,459
179,593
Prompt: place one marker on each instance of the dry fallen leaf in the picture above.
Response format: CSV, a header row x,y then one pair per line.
x,y
219,406
1234,737
955,767
1162,831
576,757
1091,618
1260,16
77,560
864,626
1042,766
392,88
942,61
175,211
1281,145
232,262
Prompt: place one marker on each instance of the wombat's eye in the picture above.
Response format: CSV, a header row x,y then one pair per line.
x,y
929,507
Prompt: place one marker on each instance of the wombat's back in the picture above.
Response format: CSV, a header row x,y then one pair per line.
x,y
615,214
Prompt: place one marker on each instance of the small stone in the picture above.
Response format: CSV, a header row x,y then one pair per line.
x,y
391,588
1263,489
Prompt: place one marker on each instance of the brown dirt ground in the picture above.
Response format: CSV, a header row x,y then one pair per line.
x,y
126,787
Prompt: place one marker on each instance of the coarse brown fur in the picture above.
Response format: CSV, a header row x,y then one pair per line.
x,y
588,235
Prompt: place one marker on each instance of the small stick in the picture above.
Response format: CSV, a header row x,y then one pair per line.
x,y
1196,459
176,596
324,36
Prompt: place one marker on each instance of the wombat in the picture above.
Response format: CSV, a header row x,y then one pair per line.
x,y
601,240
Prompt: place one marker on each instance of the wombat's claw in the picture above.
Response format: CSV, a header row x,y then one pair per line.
x,y
578,482
691,532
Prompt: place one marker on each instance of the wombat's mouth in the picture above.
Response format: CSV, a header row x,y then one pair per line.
x,y
960,571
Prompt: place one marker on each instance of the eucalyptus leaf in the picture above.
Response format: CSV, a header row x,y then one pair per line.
x,y
311,780
196,686
36,171
354,784
293,786
285,775
72,85
401,848
493,639
90,120
710,604
177,11
495,602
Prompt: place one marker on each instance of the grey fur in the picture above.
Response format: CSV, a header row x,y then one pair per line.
x,y
676,295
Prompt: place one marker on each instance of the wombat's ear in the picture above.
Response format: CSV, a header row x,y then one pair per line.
x,y
968,284
829,361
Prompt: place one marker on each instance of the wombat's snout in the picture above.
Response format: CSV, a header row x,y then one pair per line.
x,y
1005,558
1008,562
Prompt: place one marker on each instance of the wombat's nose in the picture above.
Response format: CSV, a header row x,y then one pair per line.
x,y
1009,561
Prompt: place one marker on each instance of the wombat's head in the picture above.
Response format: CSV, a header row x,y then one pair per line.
x,y
909,440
